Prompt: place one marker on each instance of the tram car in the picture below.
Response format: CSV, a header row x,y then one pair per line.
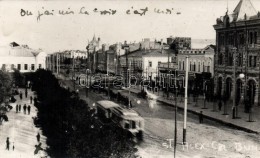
x,y
126,119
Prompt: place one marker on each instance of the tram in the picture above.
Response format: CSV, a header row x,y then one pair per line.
x,y
127,119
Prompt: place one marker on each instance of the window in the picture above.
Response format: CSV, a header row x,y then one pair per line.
x,y
254,61
19,66
203,67
251,37
32,67
183,65
25,66
179,65
199,67
150,64
255,37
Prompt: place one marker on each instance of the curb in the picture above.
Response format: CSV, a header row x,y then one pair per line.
x,y
210,118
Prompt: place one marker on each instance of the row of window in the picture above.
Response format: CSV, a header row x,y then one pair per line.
x,y
241,39
252,60
193,66
19,66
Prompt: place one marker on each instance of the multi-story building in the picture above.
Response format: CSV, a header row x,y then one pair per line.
x,y
200,60
93,46
22,58
144,63
237,59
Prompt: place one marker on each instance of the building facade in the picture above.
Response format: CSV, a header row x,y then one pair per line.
x,y
21,58
237,59
200,60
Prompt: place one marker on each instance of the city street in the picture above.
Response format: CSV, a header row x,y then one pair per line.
x,y
21,132
209,139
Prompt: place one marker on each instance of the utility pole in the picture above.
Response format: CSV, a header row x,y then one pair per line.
x,y
175,120
234,82
168,75
186,100
73,78
129,85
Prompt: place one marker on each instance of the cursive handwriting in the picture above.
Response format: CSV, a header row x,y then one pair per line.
x,y
83,11
45,12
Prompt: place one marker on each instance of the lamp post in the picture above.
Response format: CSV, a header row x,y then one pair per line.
x,y
234,49
175,119
115,61
204,89
186,100
128,70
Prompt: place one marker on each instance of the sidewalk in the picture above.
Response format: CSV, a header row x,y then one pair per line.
x,y
21,131
241,123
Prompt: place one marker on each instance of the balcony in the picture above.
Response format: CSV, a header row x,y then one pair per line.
x,y
165,65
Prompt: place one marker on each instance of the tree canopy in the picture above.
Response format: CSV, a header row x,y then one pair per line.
x,y
71,127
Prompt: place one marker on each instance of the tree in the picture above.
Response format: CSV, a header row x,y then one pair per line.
x,y
5,93
71,127
18,78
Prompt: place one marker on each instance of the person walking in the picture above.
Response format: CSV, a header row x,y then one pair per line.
x,y
26,92
29,109
201,117
31,98
21,95
219,105
233,112
19,107
7,143
38,137
24,109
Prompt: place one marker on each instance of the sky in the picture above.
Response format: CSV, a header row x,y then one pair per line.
x,y
188,18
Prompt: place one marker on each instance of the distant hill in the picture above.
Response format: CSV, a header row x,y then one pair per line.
x,y
202,43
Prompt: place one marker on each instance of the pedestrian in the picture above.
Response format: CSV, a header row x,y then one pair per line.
x,y
26,92
7,143
233,112
219,105
38,137
24,109
21,95
13,146
29,109
19,107
31,98
201,117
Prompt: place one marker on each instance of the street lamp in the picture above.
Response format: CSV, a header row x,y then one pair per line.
x,y
115,62
234,49
128,72
204,89
186,100
175,119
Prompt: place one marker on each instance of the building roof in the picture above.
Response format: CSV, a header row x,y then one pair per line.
x,y
107,104
17,51
243,8
151,53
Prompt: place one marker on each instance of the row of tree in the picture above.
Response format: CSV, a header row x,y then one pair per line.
x,y
71,127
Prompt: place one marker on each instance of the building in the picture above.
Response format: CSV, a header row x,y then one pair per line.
x,y
144,63
93,46
200,60
22,58
237,54
177,43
